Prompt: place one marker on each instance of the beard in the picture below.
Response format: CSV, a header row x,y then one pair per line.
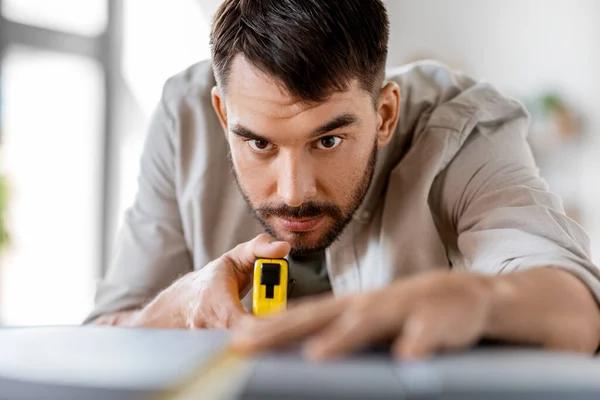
x,y
339,215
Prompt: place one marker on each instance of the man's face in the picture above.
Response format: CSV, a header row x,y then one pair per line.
x,y
302,168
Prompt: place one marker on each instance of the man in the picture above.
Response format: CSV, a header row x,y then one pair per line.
x,y
412,196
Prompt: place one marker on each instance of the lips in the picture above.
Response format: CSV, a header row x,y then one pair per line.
x,y
300,225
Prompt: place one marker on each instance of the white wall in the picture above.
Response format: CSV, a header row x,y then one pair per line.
x,y
522,45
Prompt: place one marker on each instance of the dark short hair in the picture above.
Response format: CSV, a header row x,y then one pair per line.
x,y
312,47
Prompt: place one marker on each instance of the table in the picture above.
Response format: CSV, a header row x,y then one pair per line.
x,y
94,362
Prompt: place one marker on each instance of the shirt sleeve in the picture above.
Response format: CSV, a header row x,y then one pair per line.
x,y
151,251
503,213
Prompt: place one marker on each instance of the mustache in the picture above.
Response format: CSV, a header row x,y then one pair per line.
x,y
310,209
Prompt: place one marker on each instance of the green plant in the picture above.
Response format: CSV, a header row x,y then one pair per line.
x,y
552,102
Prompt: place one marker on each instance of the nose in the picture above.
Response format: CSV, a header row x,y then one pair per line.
x,y
296,182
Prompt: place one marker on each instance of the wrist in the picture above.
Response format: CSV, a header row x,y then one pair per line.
x,y
499,293
517,314
119,318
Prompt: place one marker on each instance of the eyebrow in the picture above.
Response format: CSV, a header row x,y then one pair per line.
x,y
341,121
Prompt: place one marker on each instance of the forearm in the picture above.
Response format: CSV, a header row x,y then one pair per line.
x,y
156,314
166,310
544,306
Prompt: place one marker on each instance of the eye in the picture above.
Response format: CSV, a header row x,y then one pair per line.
x,y
329,142
259,145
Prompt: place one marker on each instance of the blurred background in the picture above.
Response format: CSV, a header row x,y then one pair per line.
x,y
78,80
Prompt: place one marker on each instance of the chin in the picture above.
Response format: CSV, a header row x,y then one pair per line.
x,y
302,239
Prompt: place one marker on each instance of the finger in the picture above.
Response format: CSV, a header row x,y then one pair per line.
x,y
360,326
230,315
288,327
228,308
263,246
421,336
244,322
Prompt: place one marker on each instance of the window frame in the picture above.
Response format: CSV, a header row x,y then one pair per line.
x,y
106,50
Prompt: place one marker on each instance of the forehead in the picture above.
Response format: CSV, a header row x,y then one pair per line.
x,y
253,94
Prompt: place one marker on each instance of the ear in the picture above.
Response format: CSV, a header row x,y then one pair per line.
x,y
388,110
219,105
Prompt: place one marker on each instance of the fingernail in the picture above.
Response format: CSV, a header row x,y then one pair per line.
x,y
276,243
315,352
411,355
409,358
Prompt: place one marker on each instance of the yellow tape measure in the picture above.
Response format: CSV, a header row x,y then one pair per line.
x,y
270,288
223,376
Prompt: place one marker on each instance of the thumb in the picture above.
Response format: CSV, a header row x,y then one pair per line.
x,y
263,246
228,310
421,336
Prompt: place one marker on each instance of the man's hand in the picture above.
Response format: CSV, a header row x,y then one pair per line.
x,y
446,310
210,297
421,315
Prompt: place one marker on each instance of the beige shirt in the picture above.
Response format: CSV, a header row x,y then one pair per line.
x,y
456,188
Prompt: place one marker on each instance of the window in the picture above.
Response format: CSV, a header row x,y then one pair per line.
x,y
55,86
52,136
83,17
181,41
74,108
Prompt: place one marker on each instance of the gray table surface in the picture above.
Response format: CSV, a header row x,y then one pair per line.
x,y
119,363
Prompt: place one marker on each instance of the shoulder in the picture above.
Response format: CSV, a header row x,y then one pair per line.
x,y
430,77
196,77
195,128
